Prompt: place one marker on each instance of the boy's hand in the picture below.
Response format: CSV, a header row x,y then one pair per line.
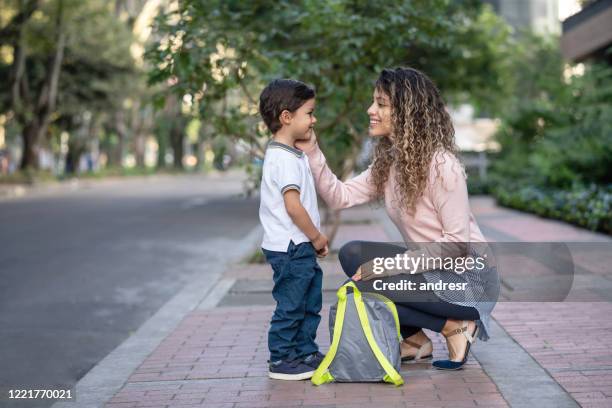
x,y
320,244
323,252
306,144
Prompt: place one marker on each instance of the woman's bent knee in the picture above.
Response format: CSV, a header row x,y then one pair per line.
x,y
349,256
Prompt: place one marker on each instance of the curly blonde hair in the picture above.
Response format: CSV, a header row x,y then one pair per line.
x,y
421,127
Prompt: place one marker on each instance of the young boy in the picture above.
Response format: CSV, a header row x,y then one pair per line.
x,y
292,237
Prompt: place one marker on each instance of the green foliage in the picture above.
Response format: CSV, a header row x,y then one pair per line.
x,y
580,150
589,207
534,105
555,133
556,139
562,138
97,69
478,186
223,52
66,66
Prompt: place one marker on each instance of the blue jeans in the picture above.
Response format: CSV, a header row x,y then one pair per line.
x,y
298,282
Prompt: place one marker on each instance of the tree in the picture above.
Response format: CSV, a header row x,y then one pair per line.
x,y
98,75
33,101
70,58
537,103
221,53
170,131
225,51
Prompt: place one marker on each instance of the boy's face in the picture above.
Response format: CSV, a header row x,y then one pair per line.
x,y
303,120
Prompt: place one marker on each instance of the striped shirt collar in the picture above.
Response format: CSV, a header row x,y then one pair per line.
x,y
291,149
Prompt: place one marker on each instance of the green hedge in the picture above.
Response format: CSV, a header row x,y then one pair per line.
x,y
589,207
556,141
478,186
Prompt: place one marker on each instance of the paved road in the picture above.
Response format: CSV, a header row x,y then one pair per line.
x,y
80,271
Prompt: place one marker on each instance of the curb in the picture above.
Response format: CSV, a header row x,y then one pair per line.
x,y
518,377
218,292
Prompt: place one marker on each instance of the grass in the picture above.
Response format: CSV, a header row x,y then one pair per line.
x,y
28,177
31,177
256,257
128,172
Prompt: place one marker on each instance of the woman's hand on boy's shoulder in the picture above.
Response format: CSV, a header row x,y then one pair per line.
x,y
306,145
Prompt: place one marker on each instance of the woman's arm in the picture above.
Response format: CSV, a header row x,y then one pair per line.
x,y
335,193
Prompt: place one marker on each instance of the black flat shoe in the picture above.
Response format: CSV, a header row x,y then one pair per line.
x,y
456,365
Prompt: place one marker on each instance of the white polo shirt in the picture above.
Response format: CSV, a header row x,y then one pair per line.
x,y
285,168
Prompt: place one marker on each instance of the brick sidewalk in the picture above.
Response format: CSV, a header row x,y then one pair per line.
x,y
569,339
217,358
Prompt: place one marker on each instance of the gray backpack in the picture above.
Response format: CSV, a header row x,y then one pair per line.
x,y
365,340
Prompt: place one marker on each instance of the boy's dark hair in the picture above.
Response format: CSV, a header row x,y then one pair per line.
x,y
280,95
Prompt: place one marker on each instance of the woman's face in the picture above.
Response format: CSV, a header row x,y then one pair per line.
x,y
380,115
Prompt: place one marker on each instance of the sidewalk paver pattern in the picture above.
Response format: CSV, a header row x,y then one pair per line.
x,y
217,357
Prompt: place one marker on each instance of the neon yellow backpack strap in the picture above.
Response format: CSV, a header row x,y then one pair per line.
x,y
392,375
393,309
322,374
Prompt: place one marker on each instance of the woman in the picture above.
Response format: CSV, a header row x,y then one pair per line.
x,y
415,170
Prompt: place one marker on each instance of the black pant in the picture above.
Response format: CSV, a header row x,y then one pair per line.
x,y
427,311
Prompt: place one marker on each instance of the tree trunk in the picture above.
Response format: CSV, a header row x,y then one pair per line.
x,y
29,158
139,149
137,126
73,157
332,220
333,217
200,152
162,148
32,112
176,139
78,140
122,135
